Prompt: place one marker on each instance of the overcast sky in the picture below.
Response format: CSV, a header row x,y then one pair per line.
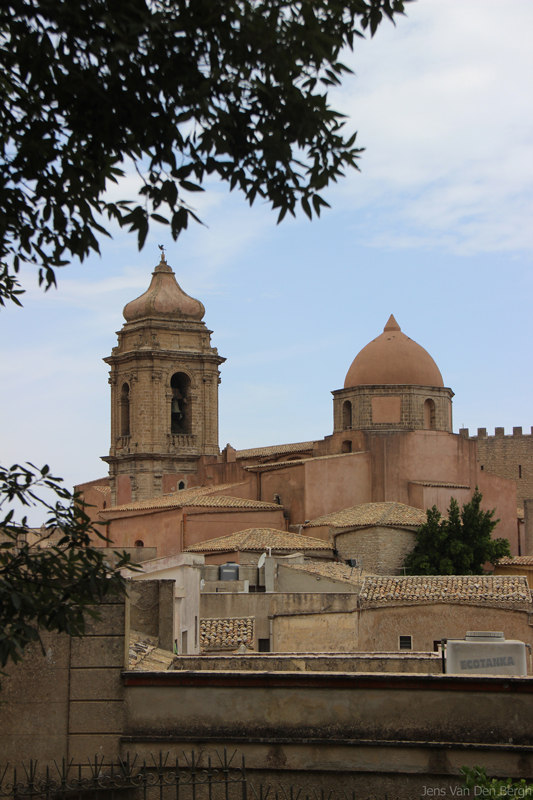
x,y
436,229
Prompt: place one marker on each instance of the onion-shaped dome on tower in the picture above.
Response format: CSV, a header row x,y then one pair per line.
x,y
393,359
164,299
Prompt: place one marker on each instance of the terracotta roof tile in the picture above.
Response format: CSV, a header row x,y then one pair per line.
x,y
339,572
494,590
103,489
280,464
441,484
255,539
275,450
183,497
515,561
386,514
227,633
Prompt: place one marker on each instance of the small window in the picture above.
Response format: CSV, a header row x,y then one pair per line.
x,y
139,543
196,631
346,415
184,643
482,468
181,485
406,642
105,504
347,446
520,470
264,645
277,499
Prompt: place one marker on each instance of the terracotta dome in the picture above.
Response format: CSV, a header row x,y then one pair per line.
x,y
393,358
164,298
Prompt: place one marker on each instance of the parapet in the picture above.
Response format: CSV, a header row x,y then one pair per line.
x,y
498,433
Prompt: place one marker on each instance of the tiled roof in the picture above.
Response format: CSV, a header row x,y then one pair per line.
x,y
275,450
254,539
441,484
494,590
227,634
339,572
198,495
103,489
388,514
280,464
515,561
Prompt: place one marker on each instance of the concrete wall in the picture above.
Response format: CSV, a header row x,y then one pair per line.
x,y
261,606
360,732
295,580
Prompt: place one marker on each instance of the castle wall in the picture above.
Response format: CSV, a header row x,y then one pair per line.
x,y
509,456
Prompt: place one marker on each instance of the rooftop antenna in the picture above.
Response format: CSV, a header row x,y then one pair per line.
x,y
261,561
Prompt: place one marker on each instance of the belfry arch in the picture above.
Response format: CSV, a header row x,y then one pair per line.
x,y
180,404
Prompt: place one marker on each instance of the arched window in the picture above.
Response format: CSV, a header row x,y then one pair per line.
x,y
180,415
346,415
181,485
429,415
125,410
347,446
139,543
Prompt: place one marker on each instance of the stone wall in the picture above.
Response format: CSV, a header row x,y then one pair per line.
x,y
379,550
508,456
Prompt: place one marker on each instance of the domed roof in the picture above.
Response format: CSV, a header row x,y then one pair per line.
x,y
164,298
393,358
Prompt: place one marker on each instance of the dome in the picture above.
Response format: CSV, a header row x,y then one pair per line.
x,y
164,298
393,358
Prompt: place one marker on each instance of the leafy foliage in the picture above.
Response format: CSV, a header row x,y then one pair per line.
x,y
480,785
182,88
458,545
54,584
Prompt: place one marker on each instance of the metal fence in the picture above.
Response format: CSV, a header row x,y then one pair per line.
x,y
162,777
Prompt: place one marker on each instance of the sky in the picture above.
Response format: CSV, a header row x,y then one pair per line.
x,y
437,229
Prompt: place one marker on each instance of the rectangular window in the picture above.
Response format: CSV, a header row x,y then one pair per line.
x,y
264,645
196,631
184,643
406,642
520,470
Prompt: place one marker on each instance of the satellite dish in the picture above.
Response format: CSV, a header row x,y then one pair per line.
x,y
261,562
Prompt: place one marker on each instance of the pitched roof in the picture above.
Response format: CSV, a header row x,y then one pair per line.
x,y
275,450
102,489
494,590
386,514
515,561
227,633
202,496
293,463
338,572
254,539
441,484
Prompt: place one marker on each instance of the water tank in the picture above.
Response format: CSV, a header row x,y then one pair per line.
x,y
485,653
229,572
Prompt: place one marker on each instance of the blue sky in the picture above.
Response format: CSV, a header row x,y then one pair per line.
x,y
436,229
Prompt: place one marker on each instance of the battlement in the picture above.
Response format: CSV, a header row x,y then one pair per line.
x,y
499,433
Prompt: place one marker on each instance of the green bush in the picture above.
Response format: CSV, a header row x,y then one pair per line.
x,y
480,785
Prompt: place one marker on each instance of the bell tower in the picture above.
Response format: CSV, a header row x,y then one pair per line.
x,y
164,380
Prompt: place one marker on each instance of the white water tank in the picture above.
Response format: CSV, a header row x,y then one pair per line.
x,y
485,653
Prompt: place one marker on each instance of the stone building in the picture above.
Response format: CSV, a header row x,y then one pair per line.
x,y
169,486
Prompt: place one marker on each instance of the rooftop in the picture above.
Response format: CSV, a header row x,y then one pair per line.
x,y
255,539
338,572
494,590
200,496
294,463
275,450
386,514
516,561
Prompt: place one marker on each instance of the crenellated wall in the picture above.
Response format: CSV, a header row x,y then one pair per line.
x,y
509,456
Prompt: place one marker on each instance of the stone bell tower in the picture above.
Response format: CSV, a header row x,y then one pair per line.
x,y
164,392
